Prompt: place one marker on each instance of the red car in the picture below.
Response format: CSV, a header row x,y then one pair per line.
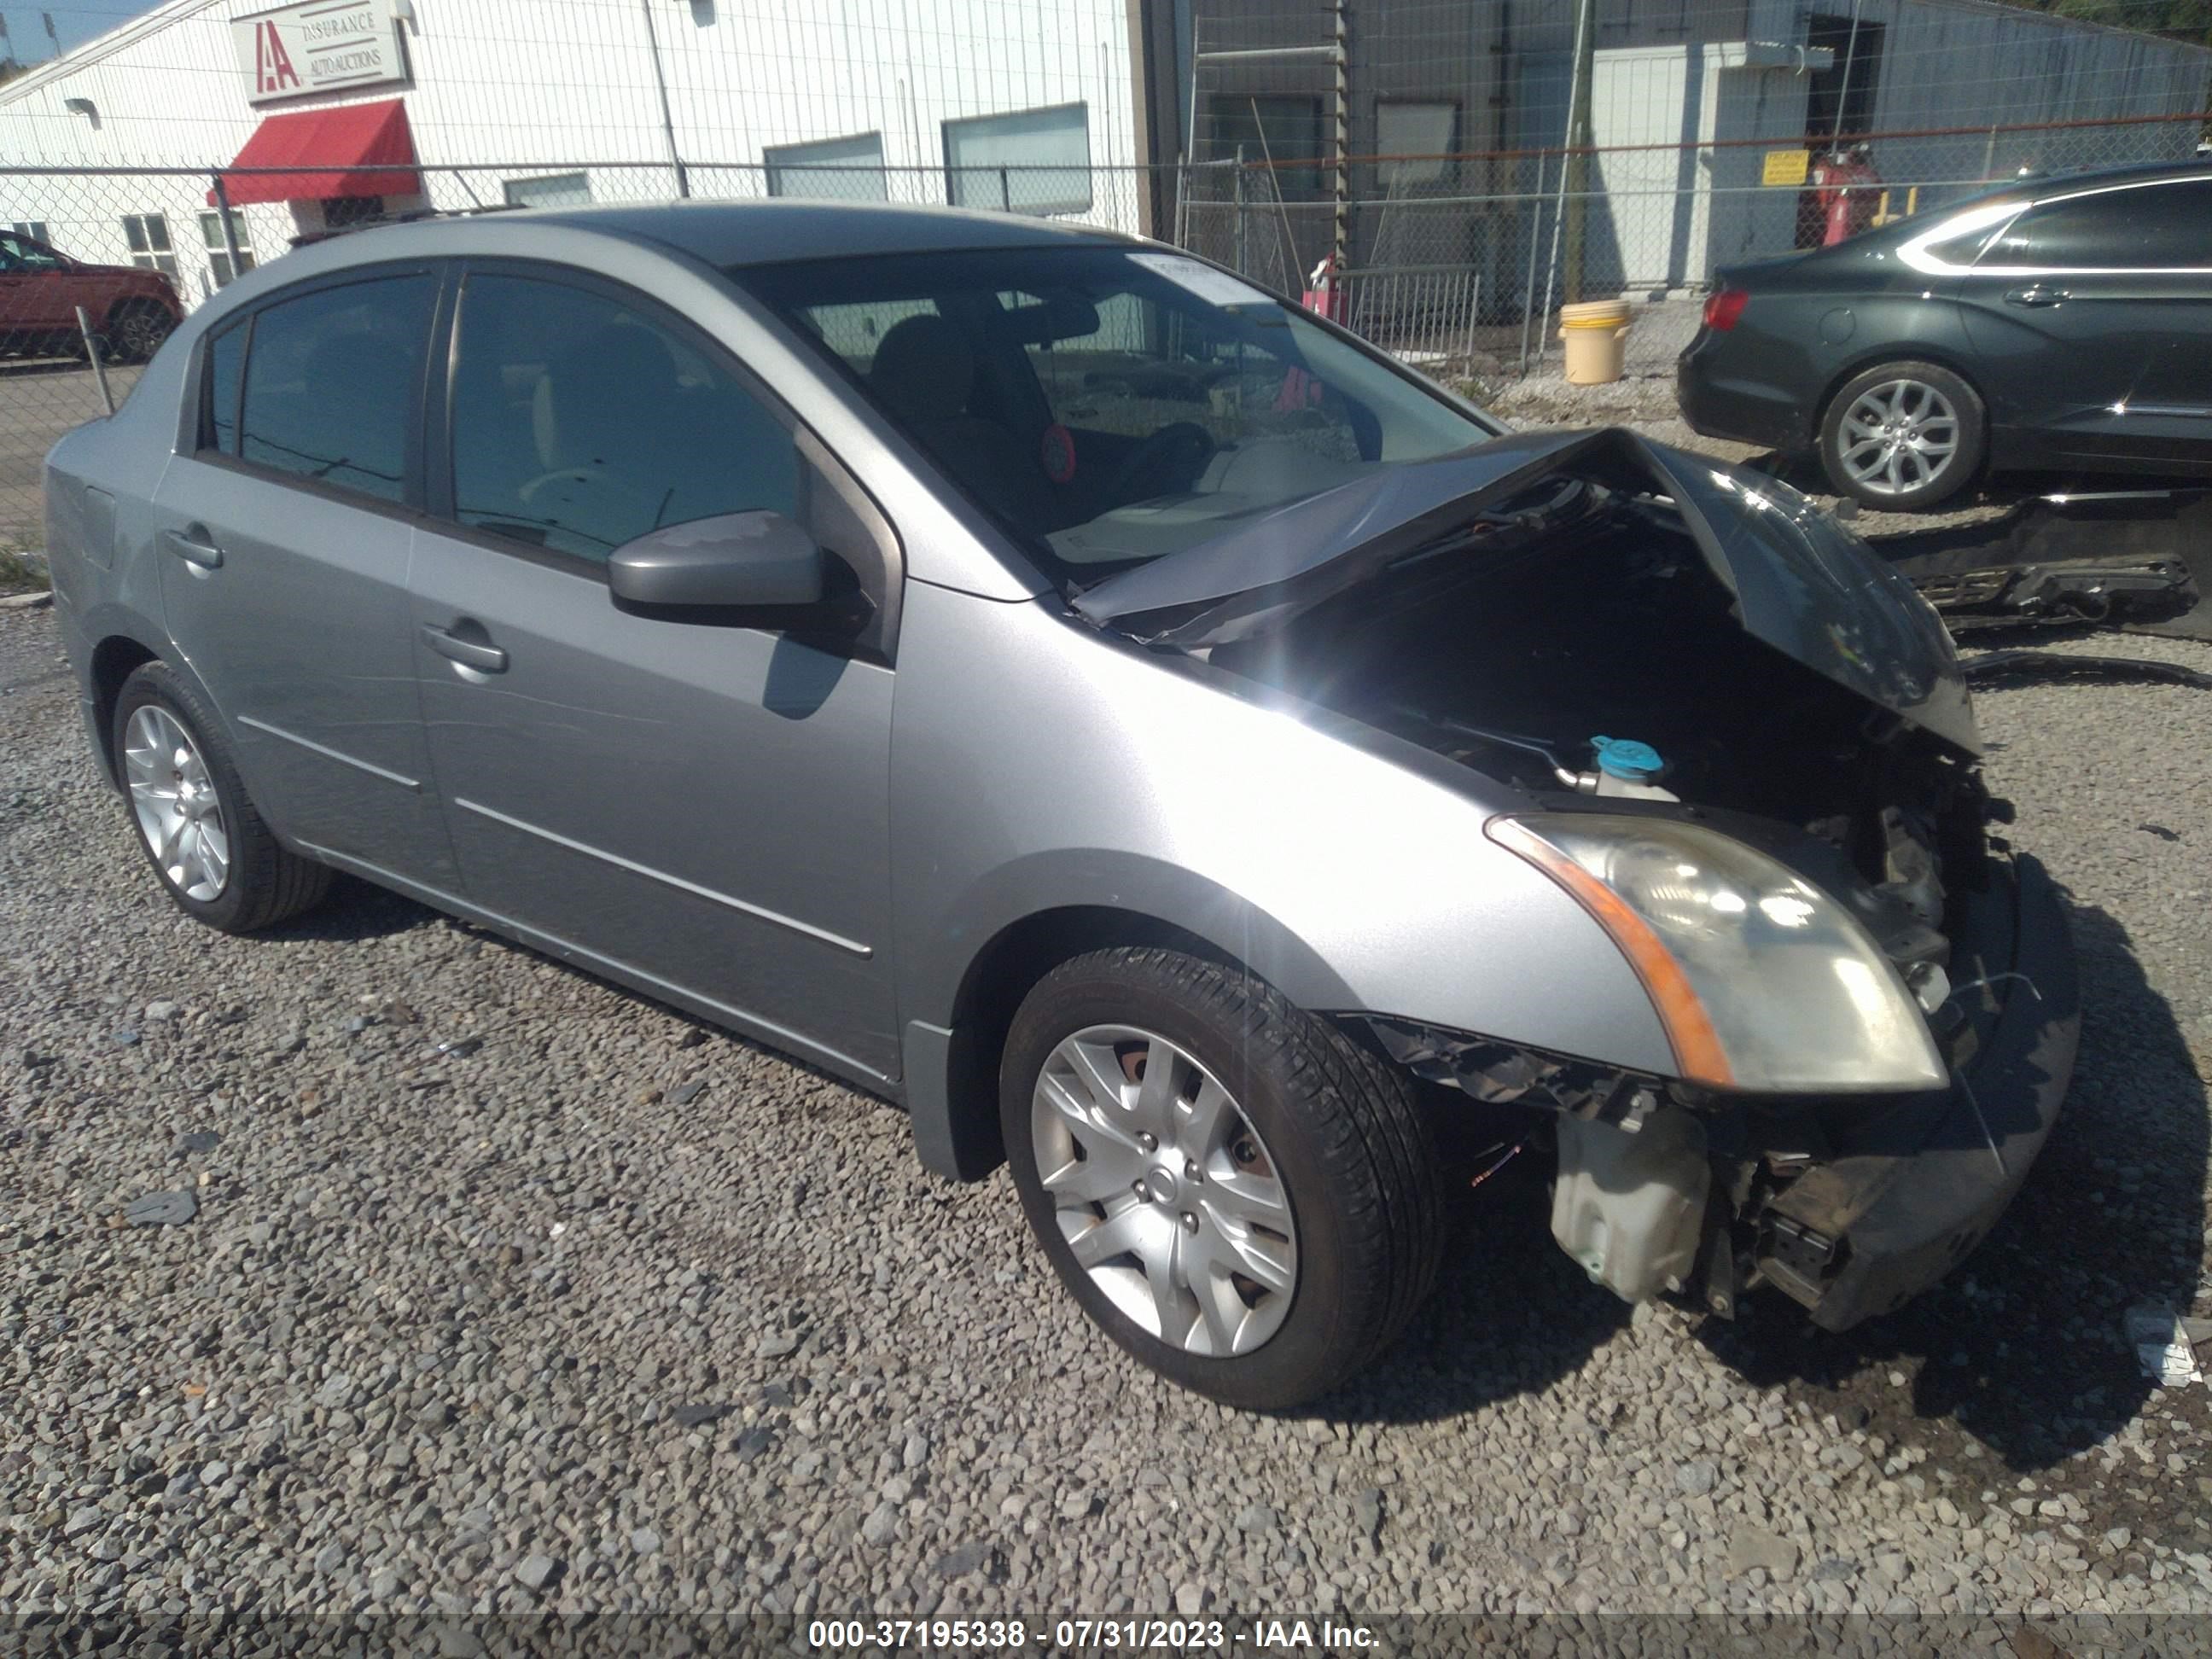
x,y
133,309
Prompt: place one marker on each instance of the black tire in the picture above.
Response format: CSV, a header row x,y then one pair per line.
x,y
265,883
1963,464
135,331
1350,1148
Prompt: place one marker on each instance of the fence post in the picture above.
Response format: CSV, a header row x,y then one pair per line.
x,y
92,356
1006,196
1240,210
229,232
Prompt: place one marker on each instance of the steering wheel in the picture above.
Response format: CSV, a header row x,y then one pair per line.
x,y
1171,457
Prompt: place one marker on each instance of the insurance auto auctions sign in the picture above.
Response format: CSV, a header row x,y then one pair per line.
x,y
323,46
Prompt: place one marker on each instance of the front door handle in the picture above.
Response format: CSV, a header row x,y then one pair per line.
x,y
484,658
194,546
2035,296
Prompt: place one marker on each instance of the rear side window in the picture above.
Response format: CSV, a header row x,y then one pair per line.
x,y
226,366
332,382
2149,228
580,423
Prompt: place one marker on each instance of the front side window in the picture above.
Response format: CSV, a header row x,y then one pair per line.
x,y
580,423
1034,161
218,251
148,236
333,380
1110,405
2143,227
836,169
21,253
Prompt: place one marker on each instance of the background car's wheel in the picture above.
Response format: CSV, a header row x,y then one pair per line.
x,y
195,822
1903,435
135,331
1246,1199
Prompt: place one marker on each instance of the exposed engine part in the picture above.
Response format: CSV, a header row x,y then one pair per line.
x,y
1631,1208
1502,1074
1997,665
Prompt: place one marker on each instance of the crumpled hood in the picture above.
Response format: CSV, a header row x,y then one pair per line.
x,y
1801,584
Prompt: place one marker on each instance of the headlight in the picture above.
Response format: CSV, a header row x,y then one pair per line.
x,y
1762,980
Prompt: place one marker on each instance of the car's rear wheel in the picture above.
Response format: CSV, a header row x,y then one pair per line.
x,y
196,824
1903,435
136,332
1243,1197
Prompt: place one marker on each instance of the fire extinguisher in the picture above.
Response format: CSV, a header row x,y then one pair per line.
x,y
1322,295
1848,190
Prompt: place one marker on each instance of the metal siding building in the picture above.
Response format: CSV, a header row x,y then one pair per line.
x,y
570,95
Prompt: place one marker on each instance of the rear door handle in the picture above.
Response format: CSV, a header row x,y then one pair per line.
x,y
484,658
2035,294
194,546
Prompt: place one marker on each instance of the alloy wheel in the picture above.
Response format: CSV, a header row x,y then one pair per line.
x,y
1898,437
174,799
1163,1190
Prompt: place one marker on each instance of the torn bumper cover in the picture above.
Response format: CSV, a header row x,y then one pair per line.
x,y
1908,1196
1850,1205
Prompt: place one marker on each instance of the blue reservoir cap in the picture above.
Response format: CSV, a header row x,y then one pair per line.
x,y
1627,759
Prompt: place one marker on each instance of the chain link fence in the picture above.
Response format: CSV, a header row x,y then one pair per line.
x,y
1456,263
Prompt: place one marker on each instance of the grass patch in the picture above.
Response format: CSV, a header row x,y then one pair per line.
x,y
18,575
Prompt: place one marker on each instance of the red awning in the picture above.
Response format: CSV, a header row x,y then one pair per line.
x,y
358,136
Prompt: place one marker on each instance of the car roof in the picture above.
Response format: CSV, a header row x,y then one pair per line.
x,y
775,232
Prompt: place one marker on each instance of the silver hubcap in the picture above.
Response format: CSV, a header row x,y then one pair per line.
x,y
177,807
1164,1191
1898,436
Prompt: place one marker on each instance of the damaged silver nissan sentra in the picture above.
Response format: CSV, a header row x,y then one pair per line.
x,y
1163,743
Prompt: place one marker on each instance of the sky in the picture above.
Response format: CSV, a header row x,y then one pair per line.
x,y
75,20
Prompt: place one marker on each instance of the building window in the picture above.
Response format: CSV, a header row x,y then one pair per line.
x,y
218,251
33,229
339,211
1427,132
836,169
148,234
1034,161
555,190
1279,131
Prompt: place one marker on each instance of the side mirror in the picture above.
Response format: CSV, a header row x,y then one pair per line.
x,y
735,561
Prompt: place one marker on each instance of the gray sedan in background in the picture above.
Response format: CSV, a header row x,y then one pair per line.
x,y
1157,740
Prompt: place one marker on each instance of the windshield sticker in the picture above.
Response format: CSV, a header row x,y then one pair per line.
x,y
1215,287
1059,454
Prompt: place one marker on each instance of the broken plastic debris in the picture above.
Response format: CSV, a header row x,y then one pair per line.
x,y
161,1209
2166,1345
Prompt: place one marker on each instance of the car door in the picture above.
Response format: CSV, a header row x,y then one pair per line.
x,y
2090,314
286,531
697,807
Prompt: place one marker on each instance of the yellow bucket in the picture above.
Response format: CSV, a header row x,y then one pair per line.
x,y
1596,333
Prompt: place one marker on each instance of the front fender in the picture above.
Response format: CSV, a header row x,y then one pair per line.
x,y
1037,765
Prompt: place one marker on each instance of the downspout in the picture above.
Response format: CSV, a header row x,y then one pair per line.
x,y
667,116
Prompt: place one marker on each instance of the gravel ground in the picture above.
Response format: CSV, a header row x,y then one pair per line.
x,y
601,1310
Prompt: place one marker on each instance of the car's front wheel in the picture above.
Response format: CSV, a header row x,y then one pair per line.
x,y
196,824
1903,436
1243,1197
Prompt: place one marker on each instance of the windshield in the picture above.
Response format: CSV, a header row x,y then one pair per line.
x,y
1111,405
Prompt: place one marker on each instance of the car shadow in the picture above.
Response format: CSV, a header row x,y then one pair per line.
x,y
2020,1351
355,911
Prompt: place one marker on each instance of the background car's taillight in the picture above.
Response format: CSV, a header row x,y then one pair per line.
x,y
1723,307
